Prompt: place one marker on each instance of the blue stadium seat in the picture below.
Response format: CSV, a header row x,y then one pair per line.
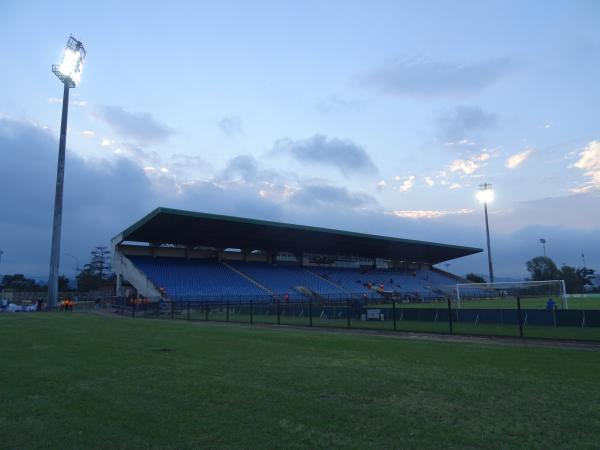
x,y
197,278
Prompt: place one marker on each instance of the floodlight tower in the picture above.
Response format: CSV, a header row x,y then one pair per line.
x,y
485,195
543,242
69,73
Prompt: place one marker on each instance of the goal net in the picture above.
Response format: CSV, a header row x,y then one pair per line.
x,y
534,294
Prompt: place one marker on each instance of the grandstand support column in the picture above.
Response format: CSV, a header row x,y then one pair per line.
x,y
58,205
119,285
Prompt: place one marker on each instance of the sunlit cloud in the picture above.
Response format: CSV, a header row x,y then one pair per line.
x,y
88,133
381,185
463,165
589,162
429,213
454,186
429,181
470,165
517,159
407,184
106,142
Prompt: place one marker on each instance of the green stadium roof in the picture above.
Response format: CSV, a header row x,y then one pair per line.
x,y
173,226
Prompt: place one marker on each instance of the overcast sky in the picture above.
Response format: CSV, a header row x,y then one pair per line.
x,y
379,117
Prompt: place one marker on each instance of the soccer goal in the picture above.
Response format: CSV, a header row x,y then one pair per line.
x,y
533,294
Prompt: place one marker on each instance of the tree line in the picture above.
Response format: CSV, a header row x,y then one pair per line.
x,y
94,275
542,268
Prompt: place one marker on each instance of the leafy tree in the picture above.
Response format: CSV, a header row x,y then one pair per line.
x,y
18,282
586,276
474,278
95,274
63,283
572,281
542,268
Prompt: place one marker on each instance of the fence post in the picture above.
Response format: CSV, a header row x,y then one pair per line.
x,y
450,315
188,310
172,310
520,318
227,315
348,311
310,312
394,313
133,309
251,313
158,309
206,311
278,313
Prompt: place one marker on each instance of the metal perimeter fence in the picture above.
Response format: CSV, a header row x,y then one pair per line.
x,y
439,316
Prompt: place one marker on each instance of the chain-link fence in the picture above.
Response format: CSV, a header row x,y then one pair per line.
x,y
406,313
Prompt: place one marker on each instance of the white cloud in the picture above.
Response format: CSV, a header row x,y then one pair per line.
x,y
454,186
429,213
88,133
470,165
381,185
466,142
463,165
80,103
54,100
589,161
429,181
517,159
106,142
407,184
484,156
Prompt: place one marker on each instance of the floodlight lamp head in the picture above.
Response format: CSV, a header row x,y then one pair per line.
x,y
69,70
485,193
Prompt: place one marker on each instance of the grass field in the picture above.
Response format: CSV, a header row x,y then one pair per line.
x,y
89,381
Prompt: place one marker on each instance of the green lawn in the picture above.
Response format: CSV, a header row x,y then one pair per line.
x,y
88,381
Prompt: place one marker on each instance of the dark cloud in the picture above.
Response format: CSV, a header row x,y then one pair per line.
x,y
342,154
100,199
247,169
103,198
423,77
231,126
463,122
142,127
326,195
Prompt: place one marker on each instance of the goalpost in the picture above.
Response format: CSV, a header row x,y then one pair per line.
x,y
541,290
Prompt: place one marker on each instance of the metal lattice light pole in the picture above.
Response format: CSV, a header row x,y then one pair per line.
x,y
69,73
485,196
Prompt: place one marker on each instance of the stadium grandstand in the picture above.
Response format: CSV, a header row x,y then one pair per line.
x,y
190,256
